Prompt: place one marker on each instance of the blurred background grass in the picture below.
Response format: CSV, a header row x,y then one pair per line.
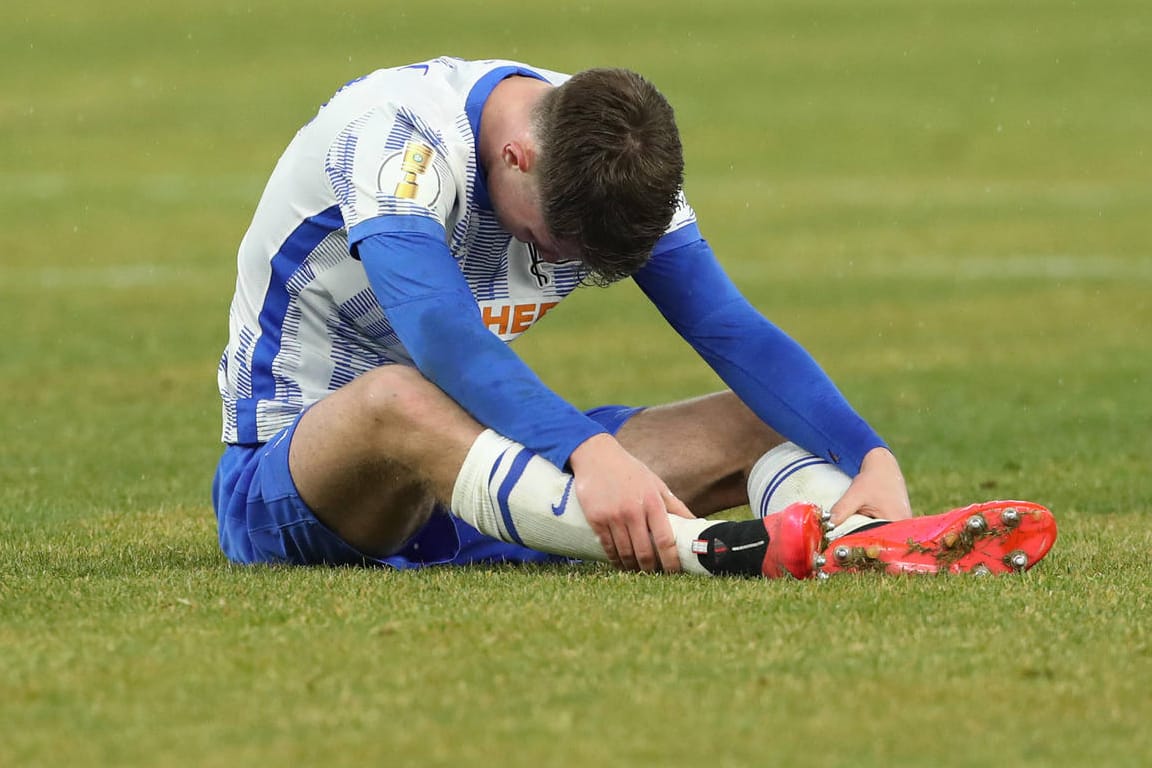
x,y
945,201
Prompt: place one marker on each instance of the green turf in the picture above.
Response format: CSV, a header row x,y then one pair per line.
x,y
945,201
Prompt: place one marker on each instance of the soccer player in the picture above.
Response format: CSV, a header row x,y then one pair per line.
x,y
375,414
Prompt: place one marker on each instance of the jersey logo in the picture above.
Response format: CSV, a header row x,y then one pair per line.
x,y
412,174
542,277
413,165
558,509
509,320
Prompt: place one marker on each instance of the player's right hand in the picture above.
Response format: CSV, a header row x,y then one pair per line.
x,y
627,505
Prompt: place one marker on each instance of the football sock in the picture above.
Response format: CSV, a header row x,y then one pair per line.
x,y
507,492
788,474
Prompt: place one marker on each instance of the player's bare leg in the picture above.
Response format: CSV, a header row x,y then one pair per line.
x,y
703,448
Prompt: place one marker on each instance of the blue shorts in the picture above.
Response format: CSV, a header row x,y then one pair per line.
x,y
261,518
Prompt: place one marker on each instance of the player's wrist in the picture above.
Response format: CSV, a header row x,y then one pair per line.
x,y
879,457
597,448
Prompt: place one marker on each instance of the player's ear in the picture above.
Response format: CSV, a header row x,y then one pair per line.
x,y
519,156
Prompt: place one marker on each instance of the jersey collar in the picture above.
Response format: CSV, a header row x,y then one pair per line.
x,y
473,106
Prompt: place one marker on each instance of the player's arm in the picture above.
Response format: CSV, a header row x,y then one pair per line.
x,y
775,376
433,312
429,305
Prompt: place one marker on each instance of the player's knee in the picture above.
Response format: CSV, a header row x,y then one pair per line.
x,y
396,395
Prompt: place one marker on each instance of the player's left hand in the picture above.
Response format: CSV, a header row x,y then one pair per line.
x,y
878,491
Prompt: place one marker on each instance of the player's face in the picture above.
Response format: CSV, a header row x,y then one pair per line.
x,y
518,209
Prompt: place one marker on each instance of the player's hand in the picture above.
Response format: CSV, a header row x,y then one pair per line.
x,y
878,491
627,506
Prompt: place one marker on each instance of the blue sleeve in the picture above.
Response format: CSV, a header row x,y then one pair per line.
x,y
427,301
765,367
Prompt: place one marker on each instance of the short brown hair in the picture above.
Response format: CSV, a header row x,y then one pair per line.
x,y
610,168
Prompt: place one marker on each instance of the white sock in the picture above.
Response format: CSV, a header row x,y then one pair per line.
x,y
788,474
507,492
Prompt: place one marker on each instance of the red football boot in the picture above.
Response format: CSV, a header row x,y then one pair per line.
x,y
993,537
789,539
795,536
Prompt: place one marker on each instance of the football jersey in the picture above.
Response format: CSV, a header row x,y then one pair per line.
x,y
394,146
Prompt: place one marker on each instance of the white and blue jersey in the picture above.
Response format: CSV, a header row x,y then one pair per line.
x,y
375,243
304,320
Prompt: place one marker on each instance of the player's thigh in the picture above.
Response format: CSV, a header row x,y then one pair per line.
x,y
364,457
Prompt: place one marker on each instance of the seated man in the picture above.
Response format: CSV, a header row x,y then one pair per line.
x,y
374,413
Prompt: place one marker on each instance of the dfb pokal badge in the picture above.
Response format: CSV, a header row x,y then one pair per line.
x,y
414,173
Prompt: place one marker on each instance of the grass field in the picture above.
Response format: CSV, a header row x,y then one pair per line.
x,y
946,202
